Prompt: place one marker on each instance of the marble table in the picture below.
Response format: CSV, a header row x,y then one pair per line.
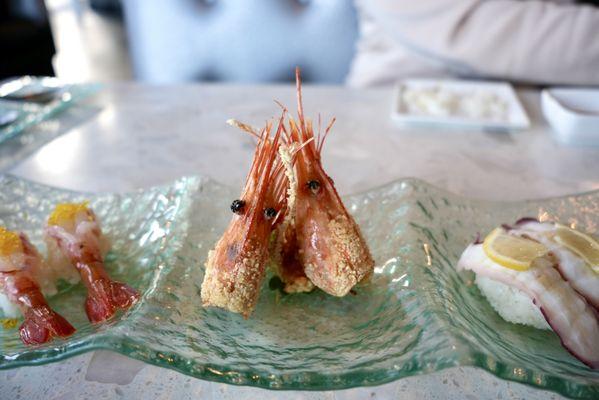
x,y
133,136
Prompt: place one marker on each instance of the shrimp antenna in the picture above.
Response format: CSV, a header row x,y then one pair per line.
x,y
288,138
300,107
326,133
255,160
277,102
319,128
293,153
244,127
307,142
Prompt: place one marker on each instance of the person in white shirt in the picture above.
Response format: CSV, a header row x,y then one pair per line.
x,y
533,41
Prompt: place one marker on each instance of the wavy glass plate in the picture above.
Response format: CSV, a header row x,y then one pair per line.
x,y
31,113
417,315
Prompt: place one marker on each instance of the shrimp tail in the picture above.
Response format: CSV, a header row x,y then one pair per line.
x,y
42,324
105,297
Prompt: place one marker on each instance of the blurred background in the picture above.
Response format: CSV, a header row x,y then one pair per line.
x,y
177,41
358,42
77,40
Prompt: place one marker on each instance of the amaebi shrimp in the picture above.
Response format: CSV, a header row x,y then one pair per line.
x,y
328,243
20,266
74,233
236,266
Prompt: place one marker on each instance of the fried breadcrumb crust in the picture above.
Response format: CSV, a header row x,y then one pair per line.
x,y
219,288
349,257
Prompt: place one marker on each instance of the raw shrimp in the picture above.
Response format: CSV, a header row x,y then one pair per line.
x,y
330,247
20,264
236,266
73,230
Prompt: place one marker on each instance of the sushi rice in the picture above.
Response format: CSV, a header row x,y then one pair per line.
x,y
47,274
510,303
7,308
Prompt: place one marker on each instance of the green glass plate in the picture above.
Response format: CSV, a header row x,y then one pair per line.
x,y
31,113
417,315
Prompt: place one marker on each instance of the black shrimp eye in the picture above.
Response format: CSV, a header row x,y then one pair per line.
x,y
313,185
270,213
237,206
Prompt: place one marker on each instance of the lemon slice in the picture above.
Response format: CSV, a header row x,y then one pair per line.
x,y
512,251
585,246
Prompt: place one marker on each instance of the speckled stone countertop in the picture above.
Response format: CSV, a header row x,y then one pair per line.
x,y
132,136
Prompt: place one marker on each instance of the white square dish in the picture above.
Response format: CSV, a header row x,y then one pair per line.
x,y
472,105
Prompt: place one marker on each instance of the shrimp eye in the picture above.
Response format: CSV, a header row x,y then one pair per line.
x,y
237,206
270,213
314,186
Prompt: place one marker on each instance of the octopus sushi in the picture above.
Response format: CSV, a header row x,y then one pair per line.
x,y
544,275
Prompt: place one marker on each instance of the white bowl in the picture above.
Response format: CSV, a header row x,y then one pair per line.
x,y
573,114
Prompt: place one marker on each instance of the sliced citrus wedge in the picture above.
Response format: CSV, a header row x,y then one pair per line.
x,y
512,251
583,245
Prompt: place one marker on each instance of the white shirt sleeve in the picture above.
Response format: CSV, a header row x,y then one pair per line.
x,y
532,41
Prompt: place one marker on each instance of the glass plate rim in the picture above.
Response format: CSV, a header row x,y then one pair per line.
x,y
113,340
340,381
